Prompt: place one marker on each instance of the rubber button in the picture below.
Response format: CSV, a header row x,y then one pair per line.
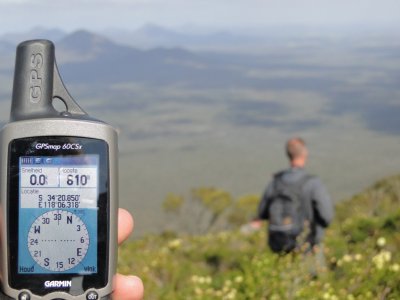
x,y
92,296
24,296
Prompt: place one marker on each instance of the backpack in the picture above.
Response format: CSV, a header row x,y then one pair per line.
x,y
287,214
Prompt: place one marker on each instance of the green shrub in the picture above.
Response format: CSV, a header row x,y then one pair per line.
x,y
362,249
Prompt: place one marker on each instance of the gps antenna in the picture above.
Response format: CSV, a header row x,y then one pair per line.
x,y
37,83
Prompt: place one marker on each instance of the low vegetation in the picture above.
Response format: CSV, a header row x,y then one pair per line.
x,y
362,250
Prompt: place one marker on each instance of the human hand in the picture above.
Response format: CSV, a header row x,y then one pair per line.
x,y
126,287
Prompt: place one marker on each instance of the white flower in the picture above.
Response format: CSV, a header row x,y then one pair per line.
x,y
381,242
395,267
358,257
347,258
326,295
238,279
381,258
175,244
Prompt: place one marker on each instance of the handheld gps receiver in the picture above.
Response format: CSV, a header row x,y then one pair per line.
x,y
58,214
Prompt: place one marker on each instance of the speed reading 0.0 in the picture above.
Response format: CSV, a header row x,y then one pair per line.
x,y
38,179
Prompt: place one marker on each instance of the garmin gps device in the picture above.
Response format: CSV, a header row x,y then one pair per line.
x,y
58,189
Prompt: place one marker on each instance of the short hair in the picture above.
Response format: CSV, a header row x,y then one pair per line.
x,y
295,148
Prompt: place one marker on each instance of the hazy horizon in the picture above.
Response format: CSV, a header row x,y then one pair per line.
x,y
192,15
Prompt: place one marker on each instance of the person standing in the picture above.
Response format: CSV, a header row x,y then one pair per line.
x,y
297,206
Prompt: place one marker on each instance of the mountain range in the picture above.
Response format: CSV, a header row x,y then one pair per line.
x,y
89,57
153,36
92,58
321,65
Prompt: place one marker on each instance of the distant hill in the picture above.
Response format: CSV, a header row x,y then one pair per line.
x,y
91,58
97,62
149,36
87,57
83,45
152,35
85,42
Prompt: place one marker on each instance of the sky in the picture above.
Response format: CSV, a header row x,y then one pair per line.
x,y
22,15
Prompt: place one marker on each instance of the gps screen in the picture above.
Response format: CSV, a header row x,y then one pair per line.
x,y
58,214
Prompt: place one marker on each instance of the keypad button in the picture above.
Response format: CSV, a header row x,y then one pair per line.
x,y
92,296
24,296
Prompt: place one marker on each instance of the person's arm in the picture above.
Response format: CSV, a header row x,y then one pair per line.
x,y
322,204
263,205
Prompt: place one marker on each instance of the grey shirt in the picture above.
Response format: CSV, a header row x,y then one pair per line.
x,y
319,207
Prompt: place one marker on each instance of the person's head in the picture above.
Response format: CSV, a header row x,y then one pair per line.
x,y
296,151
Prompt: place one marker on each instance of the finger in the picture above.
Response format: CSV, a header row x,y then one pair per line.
x,y
127,288
125,225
